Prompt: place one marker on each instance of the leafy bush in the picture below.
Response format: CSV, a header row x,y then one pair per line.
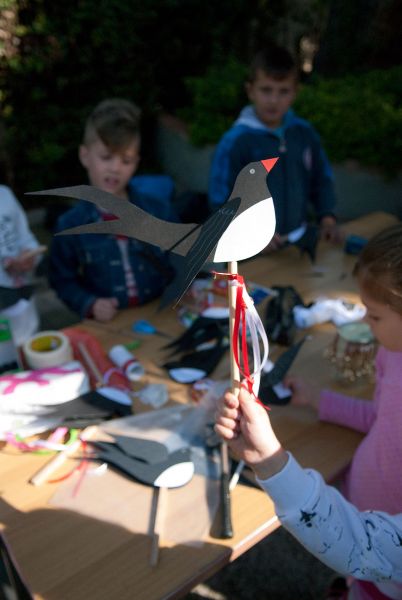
x,y
216,98
68,56
358,117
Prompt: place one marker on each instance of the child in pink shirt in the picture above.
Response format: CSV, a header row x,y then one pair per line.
x,y
373,480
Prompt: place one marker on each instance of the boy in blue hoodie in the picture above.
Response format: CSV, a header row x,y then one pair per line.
x,y
268,127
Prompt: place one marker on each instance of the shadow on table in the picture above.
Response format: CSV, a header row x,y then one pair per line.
x,y
62,554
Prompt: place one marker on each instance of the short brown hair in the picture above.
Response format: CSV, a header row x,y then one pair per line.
x,y
379,267
274,61
115,122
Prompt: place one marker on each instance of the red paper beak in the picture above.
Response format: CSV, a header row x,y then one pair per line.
x,y
269,163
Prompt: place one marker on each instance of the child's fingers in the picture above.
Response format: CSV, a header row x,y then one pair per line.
x,y
230,400
230,413
225,433
226,422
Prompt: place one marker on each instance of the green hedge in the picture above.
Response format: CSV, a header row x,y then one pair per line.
x,y
359,117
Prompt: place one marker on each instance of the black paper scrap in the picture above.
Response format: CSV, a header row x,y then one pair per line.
x,y
268,380
202,330
88,409
204,360
137,469
143,449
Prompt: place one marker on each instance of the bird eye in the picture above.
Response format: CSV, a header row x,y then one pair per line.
x,y
252,171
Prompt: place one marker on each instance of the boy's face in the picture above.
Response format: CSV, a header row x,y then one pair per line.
x,y
385,323
271,97
108,170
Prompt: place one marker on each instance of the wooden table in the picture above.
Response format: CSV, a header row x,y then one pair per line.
x,y
66,555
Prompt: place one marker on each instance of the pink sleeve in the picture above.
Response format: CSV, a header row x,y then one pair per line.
x,y
347,411
353,412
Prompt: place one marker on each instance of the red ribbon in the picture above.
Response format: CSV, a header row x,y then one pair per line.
x,y
240,317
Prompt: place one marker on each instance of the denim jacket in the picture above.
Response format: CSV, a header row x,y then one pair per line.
x,y
86,267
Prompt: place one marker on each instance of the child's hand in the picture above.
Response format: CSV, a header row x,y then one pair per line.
x,y
104,309
303,393
245,425
329,230
23,263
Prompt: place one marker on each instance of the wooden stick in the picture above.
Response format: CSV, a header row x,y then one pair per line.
x,y
227,528
158,509
234,369
43,474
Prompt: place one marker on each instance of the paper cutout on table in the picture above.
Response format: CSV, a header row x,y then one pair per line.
x,y
202,330
147,450
223,237
161,474
272,390
201,363
202,347
216,312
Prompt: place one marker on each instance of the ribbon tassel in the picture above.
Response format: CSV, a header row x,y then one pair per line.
x,y
247,319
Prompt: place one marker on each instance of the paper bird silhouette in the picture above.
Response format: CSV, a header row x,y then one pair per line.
x,y
241,228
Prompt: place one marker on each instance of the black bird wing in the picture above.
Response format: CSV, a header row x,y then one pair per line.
x,y
132,221
210,234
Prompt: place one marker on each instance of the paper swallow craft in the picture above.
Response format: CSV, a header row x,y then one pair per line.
x,y
240,229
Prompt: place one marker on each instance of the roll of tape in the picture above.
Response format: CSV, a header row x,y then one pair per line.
x,y
122,358
47,349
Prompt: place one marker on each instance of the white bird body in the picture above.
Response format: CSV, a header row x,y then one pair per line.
x,y
248,233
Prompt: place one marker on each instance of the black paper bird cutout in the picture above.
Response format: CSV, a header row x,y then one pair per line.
x,y
241,228
146,472
203,360
276,375
202,330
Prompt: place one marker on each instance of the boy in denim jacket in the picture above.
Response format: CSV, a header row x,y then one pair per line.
x,y
95,275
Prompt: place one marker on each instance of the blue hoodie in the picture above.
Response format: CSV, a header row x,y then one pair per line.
x,y
302,175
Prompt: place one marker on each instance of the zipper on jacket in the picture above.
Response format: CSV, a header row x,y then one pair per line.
x,y
282,145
